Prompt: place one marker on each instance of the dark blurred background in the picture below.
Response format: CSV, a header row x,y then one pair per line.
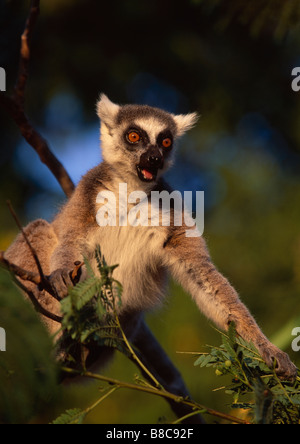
x,y
229,61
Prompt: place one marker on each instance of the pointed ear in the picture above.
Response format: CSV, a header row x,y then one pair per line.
x,y
107,111
185,122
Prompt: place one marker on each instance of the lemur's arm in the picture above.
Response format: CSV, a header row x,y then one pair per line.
x,y
190,263
72,226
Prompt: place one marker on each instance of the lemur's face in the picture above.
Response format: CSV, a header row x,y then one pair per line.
x,y
147,140
138,141
153,150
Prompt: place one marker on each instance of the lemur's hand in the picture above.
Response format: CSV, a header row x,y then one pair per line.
x,y
60,280
283,365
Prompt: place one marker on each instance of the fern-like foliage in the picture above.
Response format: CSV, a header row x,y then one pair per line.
x,y
89,309
272,400
72,416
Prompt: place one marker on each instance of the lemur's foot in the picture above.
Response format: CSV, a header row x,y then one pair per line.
x,y
274,356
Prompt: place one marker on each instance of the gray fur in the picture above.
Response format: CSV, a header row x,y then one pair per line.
x,y
129,113
144,254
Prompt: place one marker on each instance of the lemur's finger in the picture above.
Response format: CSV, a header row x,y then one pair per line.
x,y
76,273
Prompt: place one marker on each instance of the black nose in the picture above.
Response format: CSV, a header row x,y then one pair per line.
x,y
154,157
155,161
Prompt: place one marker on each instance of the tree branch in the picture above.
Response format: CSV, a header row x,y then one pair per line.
x,y
25,52
154,391
25,275
43,281
35,278
31,277
38,307
14,106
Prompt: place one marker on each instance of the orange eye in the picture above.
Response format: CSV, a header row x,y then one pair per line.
x,y
167,142
133,137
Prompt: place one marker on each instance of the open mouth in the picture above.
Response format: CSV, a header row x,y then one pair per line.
x,y
146,175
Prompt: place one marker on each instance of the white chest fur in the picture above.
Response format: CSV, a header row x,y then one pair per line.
x,y
136,250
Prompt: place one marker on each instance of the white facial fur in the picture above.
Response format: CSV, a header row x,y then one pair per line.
x,y
185,122
152,126
115,119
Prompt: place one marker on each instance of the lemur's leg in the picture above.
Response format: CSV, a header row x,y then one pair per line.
x,y
44,240
156,360
190,263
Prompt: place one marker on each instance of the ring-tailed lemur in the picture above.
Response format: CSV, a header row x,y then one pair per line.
x,y
137,147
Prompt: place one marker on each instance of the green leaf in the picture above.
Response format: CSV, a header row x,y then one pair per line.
x,y
85,291
81,294
201,359
275,401
71,416
232,333
89,269
228,346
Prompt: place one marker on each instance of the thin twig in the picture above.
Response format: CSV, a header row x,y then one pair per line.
x,y
134,356
38,307
189,415
32,250
14,106
39,279
103,397
25,275
35,278
25,52
30,276
157,392
44,281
